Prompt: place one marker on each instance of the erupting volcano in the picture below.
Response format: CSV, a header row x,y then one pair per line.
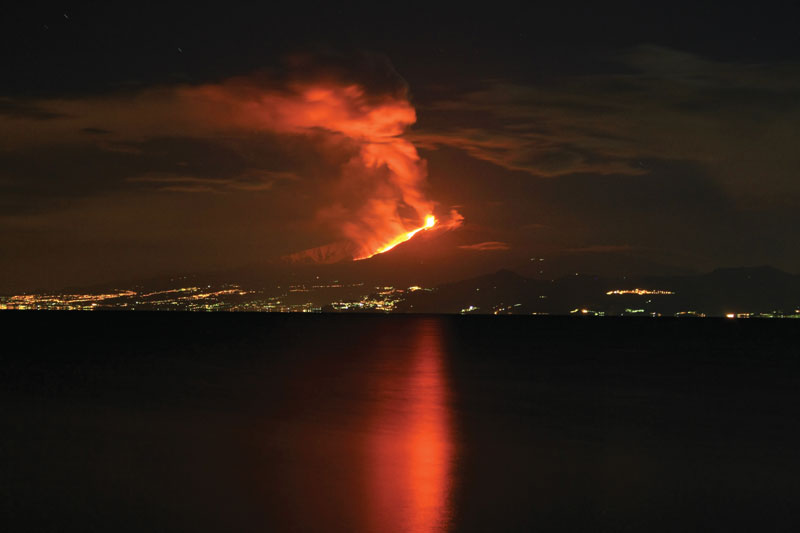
x,y
380,192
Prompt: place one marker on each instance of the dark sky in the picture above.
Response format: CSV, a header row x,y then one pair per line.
x,y
130,148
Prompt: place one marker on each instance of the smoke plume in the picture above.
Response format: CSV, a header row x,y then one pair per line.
x,y
386,175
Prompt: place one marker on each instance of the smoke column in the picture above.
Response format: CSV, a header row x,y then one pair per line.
x,y
396,205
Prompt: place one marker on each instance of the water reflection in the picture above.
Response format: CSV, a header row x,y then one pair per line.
x,y
410,449
341,424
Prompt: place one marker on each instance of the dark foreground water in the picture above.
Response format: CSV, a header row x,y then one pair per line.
x,y
234,422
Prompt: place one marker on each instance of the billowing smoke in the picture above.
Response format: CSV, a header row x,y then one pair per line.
x,y
386,174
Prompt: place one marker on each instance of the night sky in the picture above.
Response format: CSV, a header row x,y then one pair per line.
x,y
138,141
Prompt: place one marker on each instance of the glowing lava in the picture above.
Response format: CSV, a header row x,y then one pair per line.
x,y
430,221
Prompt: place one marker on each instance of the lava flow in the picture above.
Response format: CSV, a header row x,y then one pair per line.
x,y
430,221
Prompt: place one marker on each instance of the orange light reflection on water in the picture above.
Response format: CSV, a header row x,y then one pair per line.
x,y
411,450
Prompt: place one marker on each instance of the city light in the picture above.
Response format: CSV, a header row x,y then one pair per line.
x,y
638,292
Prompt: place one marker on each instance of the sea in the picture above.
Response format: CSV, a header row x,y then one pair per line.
x,y
238,422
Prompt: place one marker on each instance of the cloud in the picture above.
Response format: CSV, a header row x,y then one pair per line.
x,y
95,131
249,181
46,177
735,120
21,109
486,246
603,249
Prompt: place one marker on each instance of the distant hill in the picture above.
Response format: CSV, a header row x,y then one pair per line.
x,y
587,281
730,290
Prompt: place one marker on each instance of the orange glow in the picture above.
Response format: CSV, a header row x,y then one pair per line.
x,y
411,452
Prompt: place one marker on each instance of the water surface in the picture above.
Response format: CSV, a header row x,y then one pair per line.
x,y
182,422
